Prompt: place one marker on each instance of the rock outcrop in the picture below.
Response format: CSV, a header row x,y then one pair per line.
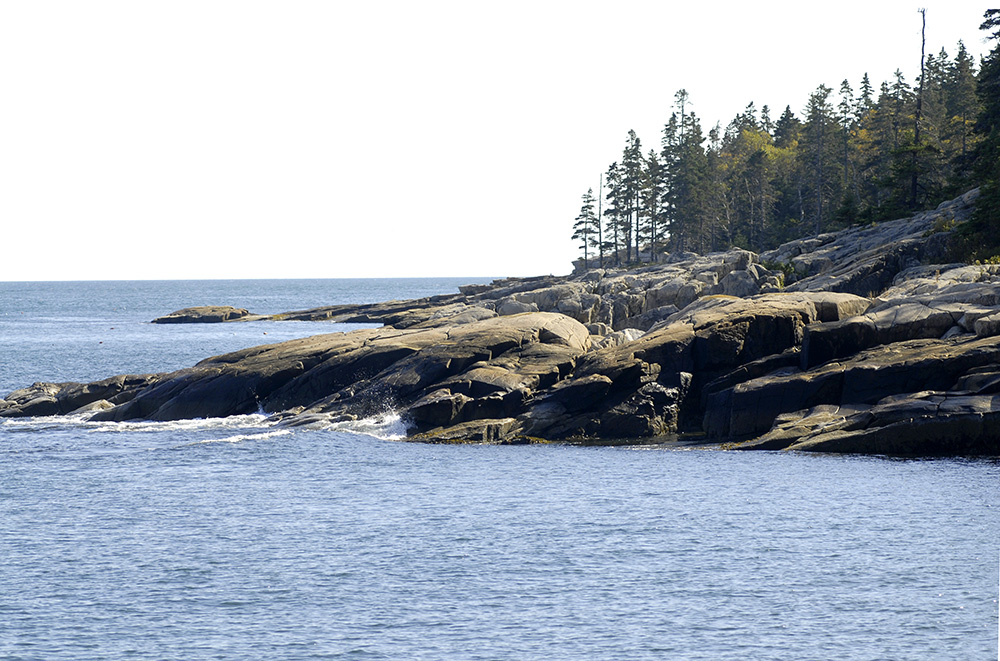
x,y
41,399
205,314
618,299
874,344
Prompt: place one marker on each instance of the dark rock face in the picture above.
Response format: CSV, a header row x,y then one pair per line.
x,y
751,407
922,424
447,375
698,343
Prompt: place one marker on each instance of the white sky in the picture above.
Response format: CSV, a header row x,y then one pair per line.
x,y
299,139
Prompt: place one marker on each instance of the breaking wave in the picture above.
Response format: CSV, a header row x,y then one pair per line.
x,y
239,438
80,421
388,426
251,427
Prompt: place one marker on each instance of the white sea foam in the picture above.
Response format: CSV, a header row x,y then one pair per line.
x,y
239,438
80,421
389,426
253,421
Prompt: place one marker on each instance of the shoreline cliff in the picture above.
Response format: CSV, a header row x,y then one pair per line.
x,y
861,341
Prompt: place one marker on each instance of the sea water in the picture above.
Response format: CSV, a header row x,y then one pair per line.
x,y
235,539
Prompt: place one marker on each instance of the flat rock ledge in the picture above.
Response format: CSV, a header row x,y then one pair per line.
x,y
862,341
206,314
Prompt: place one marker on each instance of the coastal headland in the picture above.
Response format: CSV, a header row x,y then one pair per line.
x,y
865,341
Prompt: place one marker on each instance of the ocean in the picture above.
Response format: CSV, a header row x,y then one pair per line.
x,y
235,539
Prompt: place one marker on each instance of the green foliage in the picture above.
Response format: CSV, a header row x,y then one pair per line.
x,y
787,269
851,159
982,235
587,229
942,224
970,244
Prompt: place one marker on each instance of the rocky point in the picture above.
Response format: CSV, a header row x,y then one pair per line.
x,y
865,340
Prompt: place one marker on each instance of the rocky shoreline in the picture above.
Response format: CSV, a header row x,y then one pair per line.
x,y
860,341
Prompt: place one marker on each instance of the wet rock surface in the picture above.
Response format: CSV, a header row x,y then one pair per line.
x,y
874,344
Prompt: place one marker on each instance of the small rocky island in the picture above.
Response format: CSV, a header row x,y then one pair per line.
x,y
860,341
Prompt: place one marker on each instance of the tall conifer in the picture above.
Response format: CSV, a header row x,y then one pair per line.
x,y
586,228
987,216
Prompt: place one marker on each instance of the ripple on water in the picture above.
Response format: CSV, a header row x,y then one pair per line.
x,y
239,539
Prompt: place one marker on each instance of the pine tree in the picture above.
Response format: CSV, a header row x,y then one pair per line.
x,y
846,117
718,224
765,120
917,146
631,181
961,110
692,182
901,94
789,180
614,213
876,136
685,170
986,220
865,100
819,149
652,204
671,169
586,227
788,129
762,181
895,180
936,153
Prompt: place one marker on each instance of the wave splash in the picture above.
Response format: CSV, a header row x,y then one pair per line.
x,y
388,426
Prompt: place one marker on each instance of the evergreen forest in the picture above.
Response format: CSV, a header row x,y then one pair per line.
x,y
859,154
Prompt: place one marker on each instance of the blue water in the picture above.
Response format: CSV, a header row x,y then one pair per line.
x,y
233,539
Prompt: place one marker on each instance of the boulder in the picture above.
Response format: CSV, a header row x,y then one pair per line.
x,y
617,338
509,306
737,283
987,326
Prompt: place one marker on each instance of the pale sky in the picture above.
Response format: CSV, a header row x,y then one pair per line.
x,y
308,139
